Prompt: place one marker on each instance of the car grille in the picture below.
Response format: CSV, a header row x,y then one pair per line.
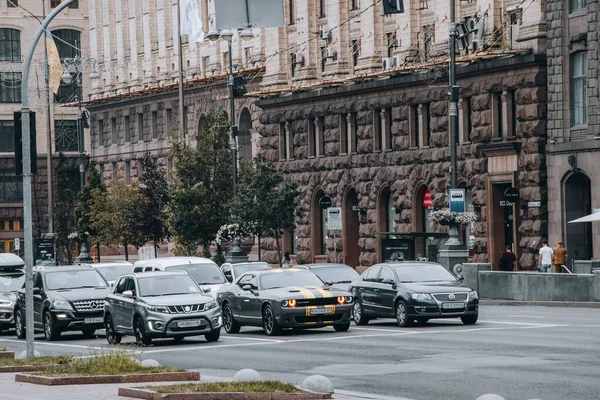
x,y
317,319
446,296
89,305
318,302
192,308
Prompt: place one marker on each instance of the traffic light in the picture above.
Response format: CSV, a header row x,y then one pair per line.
x,y
239,86
19,145
393,6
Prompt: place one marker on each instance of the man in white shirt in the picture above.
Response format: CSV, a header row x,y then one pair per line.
x,y
545,259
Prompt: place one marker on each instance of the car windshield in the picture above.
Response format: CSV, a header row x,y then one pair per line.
x,y
11,283
240,269
288,279
336,274
112,272
424,273
167,285
203,274
74,279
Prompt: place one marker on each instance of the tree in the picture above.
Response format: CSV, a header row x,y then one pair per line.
x,y
155,195
64,205
116,214
266,203
202,187
83,211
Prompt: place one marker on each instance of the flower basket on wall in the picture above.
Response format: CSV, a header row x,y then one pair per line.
x,y
445,217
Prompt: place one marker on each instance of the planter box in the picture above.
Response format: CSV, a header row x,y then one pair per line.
x,y
22,368
7,354
152,395
100,379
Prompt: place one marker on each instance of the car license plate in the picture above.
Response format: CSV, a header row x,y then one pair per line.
x,y
321,311
450,306
93,321
188,324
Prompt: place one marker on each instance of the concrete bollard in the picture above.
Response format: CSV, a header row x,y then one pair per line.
x,y
490,397
246,375
22,355
317,384
149,363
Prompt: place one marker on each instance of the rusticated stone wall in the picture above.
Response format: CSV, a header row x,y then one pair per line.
x,y
404,169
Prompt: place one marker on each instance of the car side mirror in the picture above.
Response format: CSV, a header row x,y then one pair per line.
x,y
329,283
247,287
388,281
128,293
229,276
36,290
206,289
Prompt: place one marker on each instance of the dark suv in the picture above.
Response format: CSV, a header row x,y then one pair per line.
x,y
64,299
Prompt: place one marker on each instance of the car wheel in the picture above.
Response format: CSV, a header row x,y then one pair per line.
x,y
112,337
469,319
19,324
358,314
141,339
213,336
88,331
269,322
229,322
51,331
402,315
342,327
422,321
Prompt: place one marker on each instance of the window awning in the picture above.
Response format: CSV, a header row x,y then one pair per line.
x,y
588,218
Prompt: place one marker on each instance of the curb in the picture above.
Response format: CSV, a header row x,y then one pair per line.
x,y
7,354
22,368
584,304
152,395
100,379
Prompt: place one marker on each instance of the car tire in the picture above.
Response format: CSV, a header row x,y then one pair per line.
x,y
88,331
342,327
469,319
19,324
51,331
402,317
112,337
358,314
141,339
269,322
229,322
213,336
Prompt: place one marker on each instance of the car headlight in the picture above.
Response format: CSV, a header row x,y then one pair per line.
x,y
421,296
160,309
6,303
289,303
211,305
61,305
473,294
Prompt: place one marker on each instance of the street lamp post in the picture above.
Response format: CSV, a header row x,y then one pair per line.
x,y
76,66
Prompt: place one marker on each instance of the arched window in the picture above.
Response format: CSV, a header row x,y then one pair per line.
x,y
319,226
577,202
10,44
245,137
68,43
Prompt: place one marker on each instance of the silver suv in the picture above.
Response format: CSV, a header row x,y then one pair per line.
x,y
166,304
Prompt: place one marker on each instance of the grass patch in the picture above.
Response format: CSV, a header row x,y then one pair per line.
x,y
45,360
218,387
119,363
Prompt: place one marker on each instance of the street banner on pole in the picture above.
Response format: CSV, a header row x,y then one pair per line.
x,y
54,64
191,23
232,14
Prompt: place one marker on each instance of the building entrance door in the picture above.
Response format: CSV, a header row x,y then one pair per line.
x,y
502,223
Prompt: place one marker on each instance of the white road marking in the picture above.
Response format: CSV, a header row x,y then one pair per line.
x,y
525,316
58,344
368,395
232,336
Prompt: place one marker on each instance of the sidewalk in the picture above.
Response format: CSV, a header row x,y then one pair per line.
x,y
12,390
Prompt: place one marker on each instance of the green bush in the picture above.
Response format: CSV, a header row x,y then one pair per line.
x,y
46,360
218,387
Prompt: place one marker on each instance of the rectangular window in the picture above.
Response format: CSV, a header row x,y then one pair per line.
x,y
127,171
577,5
355,4
579,89
290,142
100,132
68,43
102,173
322,8
154,125
226,60
11,188
140,126
10,87
465,125
126,128
113,131
323,59
343,134
12,3
414,126
114,171
428,40
377,131
185,119
291,12
426,125
312,138
355,52
392,43
56,3
10,44
205,64
7,136
168,123
497,116
248,54
293,64
65,135
513,114
387,130
321,137
353,140
282,142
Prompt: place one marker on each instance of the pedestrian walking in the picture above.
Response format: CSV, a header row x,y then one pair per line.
x,y
545,260
508,261
560,258
285,263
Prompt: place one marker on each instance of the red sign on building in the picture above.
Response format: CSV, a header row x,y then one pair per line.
x,y
427,199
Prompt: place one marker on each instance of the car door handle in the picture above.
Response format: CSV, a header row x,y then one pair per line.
x,y
376,290
246,301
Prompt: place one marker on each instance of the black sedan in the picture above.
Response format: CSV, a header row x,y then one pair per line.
x,y
283,298
339,276
412,291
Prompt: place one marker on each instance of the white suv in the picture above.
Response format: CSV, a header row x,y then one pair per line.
x,y
204,271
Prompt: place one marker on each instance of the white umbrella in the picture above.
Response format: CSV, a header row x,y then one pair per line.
x,y
588,218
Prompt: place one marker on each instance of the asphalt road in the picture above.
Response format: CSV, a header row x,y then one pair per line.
x,y
520,353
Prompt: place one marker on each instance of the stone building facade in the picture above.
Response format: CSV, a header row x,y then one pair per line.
x,y
573,125
55,121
